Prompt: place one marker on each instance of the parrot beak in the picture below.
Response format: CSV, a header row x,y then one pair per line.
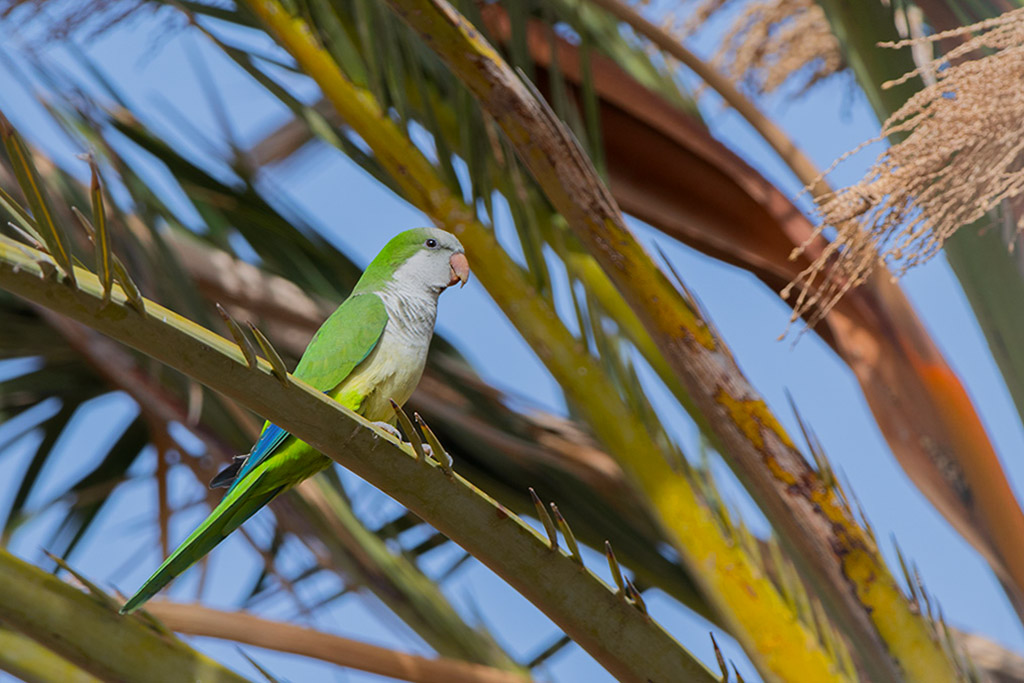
x,y
460,269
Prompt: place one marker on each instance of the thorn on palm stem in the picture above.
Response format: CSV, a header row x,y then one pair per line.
x,y
270,353
720,658
613,564
410,431
94,590
24,234
437,450
570,538
243,342
120,273
101,242
633,594
545,519
27,175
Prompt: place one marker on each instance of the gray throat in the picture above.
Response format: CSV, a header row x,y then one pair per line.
x,y
411,313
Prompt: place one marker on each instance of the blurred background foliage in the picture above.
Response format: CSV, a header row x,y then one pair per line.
x,y
198,219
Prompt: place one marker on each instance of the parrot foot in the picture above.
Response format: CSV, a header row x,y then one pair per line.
x,y
390,429
393,431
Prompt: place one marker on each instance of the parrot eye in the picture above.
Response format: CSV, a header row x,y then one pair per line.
x,y
431,243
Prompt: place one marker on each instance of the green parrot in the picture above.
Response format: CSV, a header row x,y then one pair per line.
x,y
369,351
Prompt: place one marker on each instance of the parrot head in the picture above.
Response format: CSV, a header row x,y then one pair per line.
x,y
422,257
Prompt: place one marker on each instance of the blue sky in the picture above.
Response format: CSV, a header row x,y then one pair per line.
x,y
359,215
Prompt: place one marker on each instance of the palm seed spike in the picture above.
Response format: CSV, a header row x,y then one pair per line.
x,y
721,659
570,539
545,519
271,354
410,431
613,564
99,219
440,454
243,342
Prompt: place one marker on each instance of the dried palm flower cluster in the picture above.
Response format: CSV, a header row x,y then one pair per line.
x,y
960,155
773,41
701,11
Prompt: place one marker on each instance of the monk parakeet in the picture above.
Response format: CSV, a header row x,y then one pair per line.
x,y
372,349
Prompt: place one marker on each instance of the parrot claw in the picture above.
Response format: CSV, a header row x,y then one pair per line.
x,y
390,429
428,451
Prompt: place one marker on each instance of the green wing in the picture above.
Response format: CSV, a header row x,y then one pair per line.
x,y
342,342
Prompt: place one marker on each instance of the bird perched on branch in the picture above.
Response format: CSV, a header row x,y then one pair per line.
x,y
368,352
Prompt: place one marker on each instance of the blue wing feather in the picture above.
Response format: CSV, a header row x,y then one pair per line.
x,y
271,437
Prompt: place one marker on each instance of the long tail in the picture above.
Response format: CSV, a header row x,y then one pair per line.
x,y
238,505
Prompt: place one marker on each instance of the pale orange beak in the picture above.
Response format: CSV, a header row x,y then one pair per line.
x,y
460,269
